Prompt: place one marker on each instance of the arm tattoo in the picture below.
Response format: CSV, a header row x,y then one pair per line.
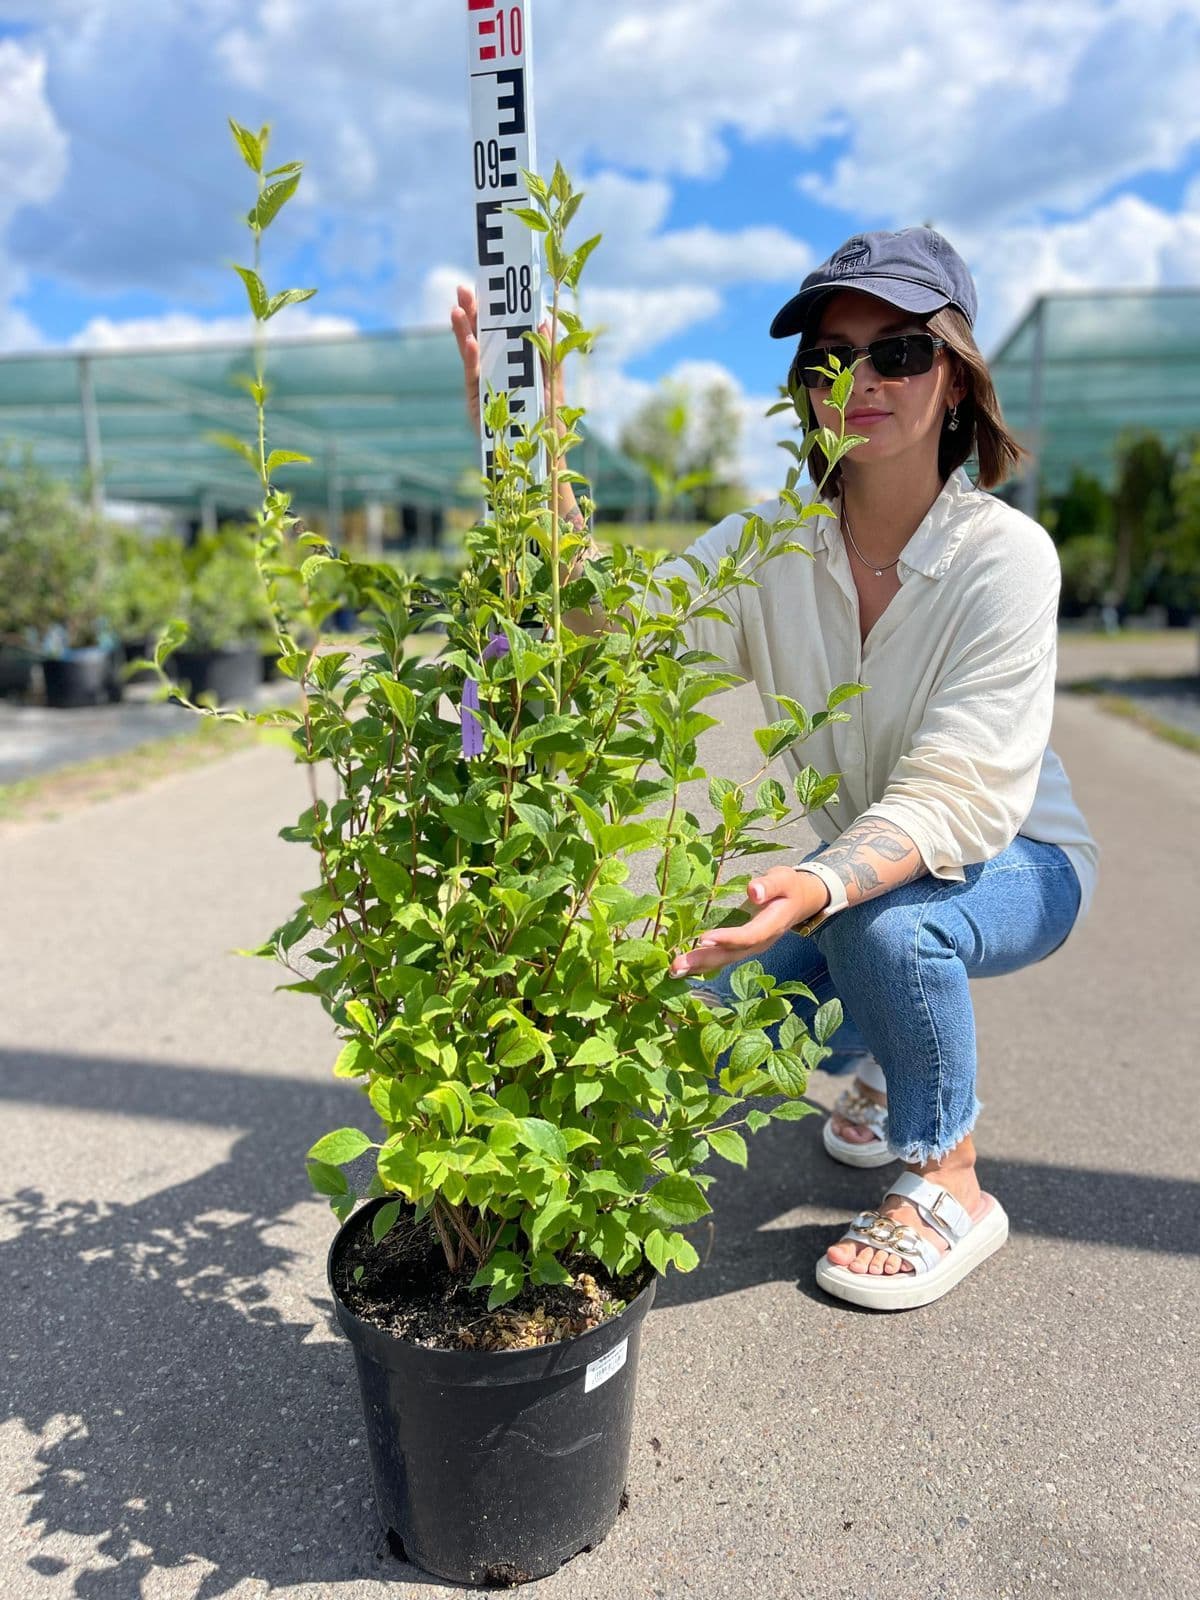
x,y
873,857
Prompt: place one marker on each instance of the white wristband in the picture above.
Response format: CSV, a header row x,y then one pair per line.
x,y
838,900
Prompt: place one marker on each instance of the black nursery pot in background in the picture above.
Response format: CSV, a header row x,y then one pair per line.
x,y
84,678
495,1467
232,675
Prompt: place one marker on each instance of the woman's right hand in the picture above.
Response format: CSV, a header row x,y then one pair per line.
x,y
464,320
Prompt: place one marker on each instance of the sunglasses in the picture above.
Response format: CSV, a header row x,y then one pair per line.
x,y
901,355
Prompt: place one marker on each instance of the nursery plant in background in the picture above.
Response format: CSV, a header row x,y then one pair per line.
x,y
55,557
225,611
497,897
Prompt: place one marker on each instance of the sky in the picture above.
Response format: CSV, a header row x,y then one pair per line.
x,y
725,147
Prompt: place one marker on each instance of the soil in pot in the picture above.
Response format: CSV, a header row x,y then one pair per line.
x,y
496,1454
406,1288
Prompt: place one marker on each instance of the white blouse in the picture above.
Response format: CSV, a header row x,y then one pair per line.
x,y
951,740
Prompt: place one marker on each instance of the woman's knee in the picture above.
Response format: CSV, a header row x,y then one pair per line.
x,y
876,934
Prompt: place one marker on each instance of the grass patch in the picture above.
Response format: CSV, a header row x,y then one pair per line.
x,y
50,795
1125,635
1119,705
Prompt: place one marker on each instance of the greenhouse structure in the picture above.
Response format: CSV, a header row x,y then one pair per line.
x,y
1081,367
381,416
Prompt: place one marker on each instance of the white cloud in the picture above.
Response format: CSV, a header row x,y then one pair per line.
x,y
635,321
1127,243
33,161
438,292
1005,122
994,111
185,328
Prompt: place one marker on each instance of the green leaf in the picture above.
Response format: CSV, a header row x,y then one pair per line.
x,y
361,1017
237,447
288,166
684,1253
353,1060
340,1146
327,1179
537,1134
249,144
786,1071
751,1050
381,1222
505,1273
533,218
255,290
283,458
844,691
400,697
587,1090
593,1052
658,1252
827,1020
273,197
726,1142
792,1110
677,1200
286,297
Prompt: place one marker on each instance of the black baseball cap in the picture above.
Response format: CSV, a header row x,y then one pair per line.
x,y
915,269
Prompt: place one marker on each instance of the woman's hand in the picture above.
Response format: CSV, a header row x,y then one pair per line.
x,y
781,898
464,319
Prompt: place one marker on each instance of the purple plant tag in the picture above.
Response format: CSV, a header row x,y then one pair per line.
x,y
472,728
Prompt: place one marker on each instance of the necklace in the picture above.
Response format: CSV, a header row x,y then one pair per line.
x,y
879,571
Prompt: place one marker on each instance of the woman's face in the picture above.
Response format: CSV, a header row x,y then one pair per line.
x,y
898,417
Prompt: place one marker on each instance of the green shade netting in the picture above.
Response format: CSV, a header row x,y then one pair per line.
x,y
1081,367
382,416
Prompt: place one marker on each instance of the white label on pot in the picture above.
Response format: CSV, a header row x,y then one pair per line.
x,y
602,1369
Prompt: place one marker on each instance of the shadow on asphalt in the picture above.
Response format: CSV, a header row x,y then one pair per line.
x,y
180,1418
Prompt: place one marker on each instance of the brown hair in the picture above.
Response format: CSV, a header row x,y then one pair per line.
x,y
981,431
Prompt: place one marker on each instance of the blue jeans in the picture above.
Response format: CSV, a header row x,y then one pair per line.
x,y
900,964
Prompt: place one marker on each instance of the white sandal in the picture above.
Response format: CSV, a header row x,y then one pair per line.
x,y
934,1273
855,1107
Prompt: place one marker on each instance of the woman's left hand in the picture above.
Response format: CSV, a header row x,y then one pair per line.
x,y
781,898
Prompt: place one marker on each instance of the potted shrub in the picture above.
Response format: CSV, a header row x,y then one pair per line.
x,y
53,558
224,610
144,591
544,1098
1087,565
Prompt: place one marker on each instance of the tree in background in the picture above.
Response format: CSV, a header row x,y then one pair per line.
x,y
1180,585
688,444
1144,514
1085,509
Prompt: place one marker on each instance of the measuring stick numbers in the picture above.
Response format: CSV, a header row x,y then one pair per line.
x,y
508,268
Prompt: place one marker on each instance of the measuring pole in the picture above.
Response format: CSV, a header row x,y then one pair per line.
x,y
508,268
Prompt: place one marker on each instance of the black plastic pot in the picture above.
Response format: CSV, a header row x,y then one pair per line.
x,y
16,671
83,678
232,675
495,1467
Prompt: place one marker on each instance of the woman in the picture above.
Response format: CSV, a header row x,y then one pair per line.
x,y
953,849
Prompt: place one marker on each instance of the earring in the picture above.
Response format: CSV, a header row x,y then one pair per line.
x,y
952,424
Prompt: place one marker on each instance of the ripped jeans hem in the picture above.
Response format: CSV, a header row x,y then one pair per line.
x,y
920,1154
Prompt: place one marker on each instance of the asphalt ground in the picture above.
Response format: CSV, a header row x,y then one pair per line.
x,y
179,1418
